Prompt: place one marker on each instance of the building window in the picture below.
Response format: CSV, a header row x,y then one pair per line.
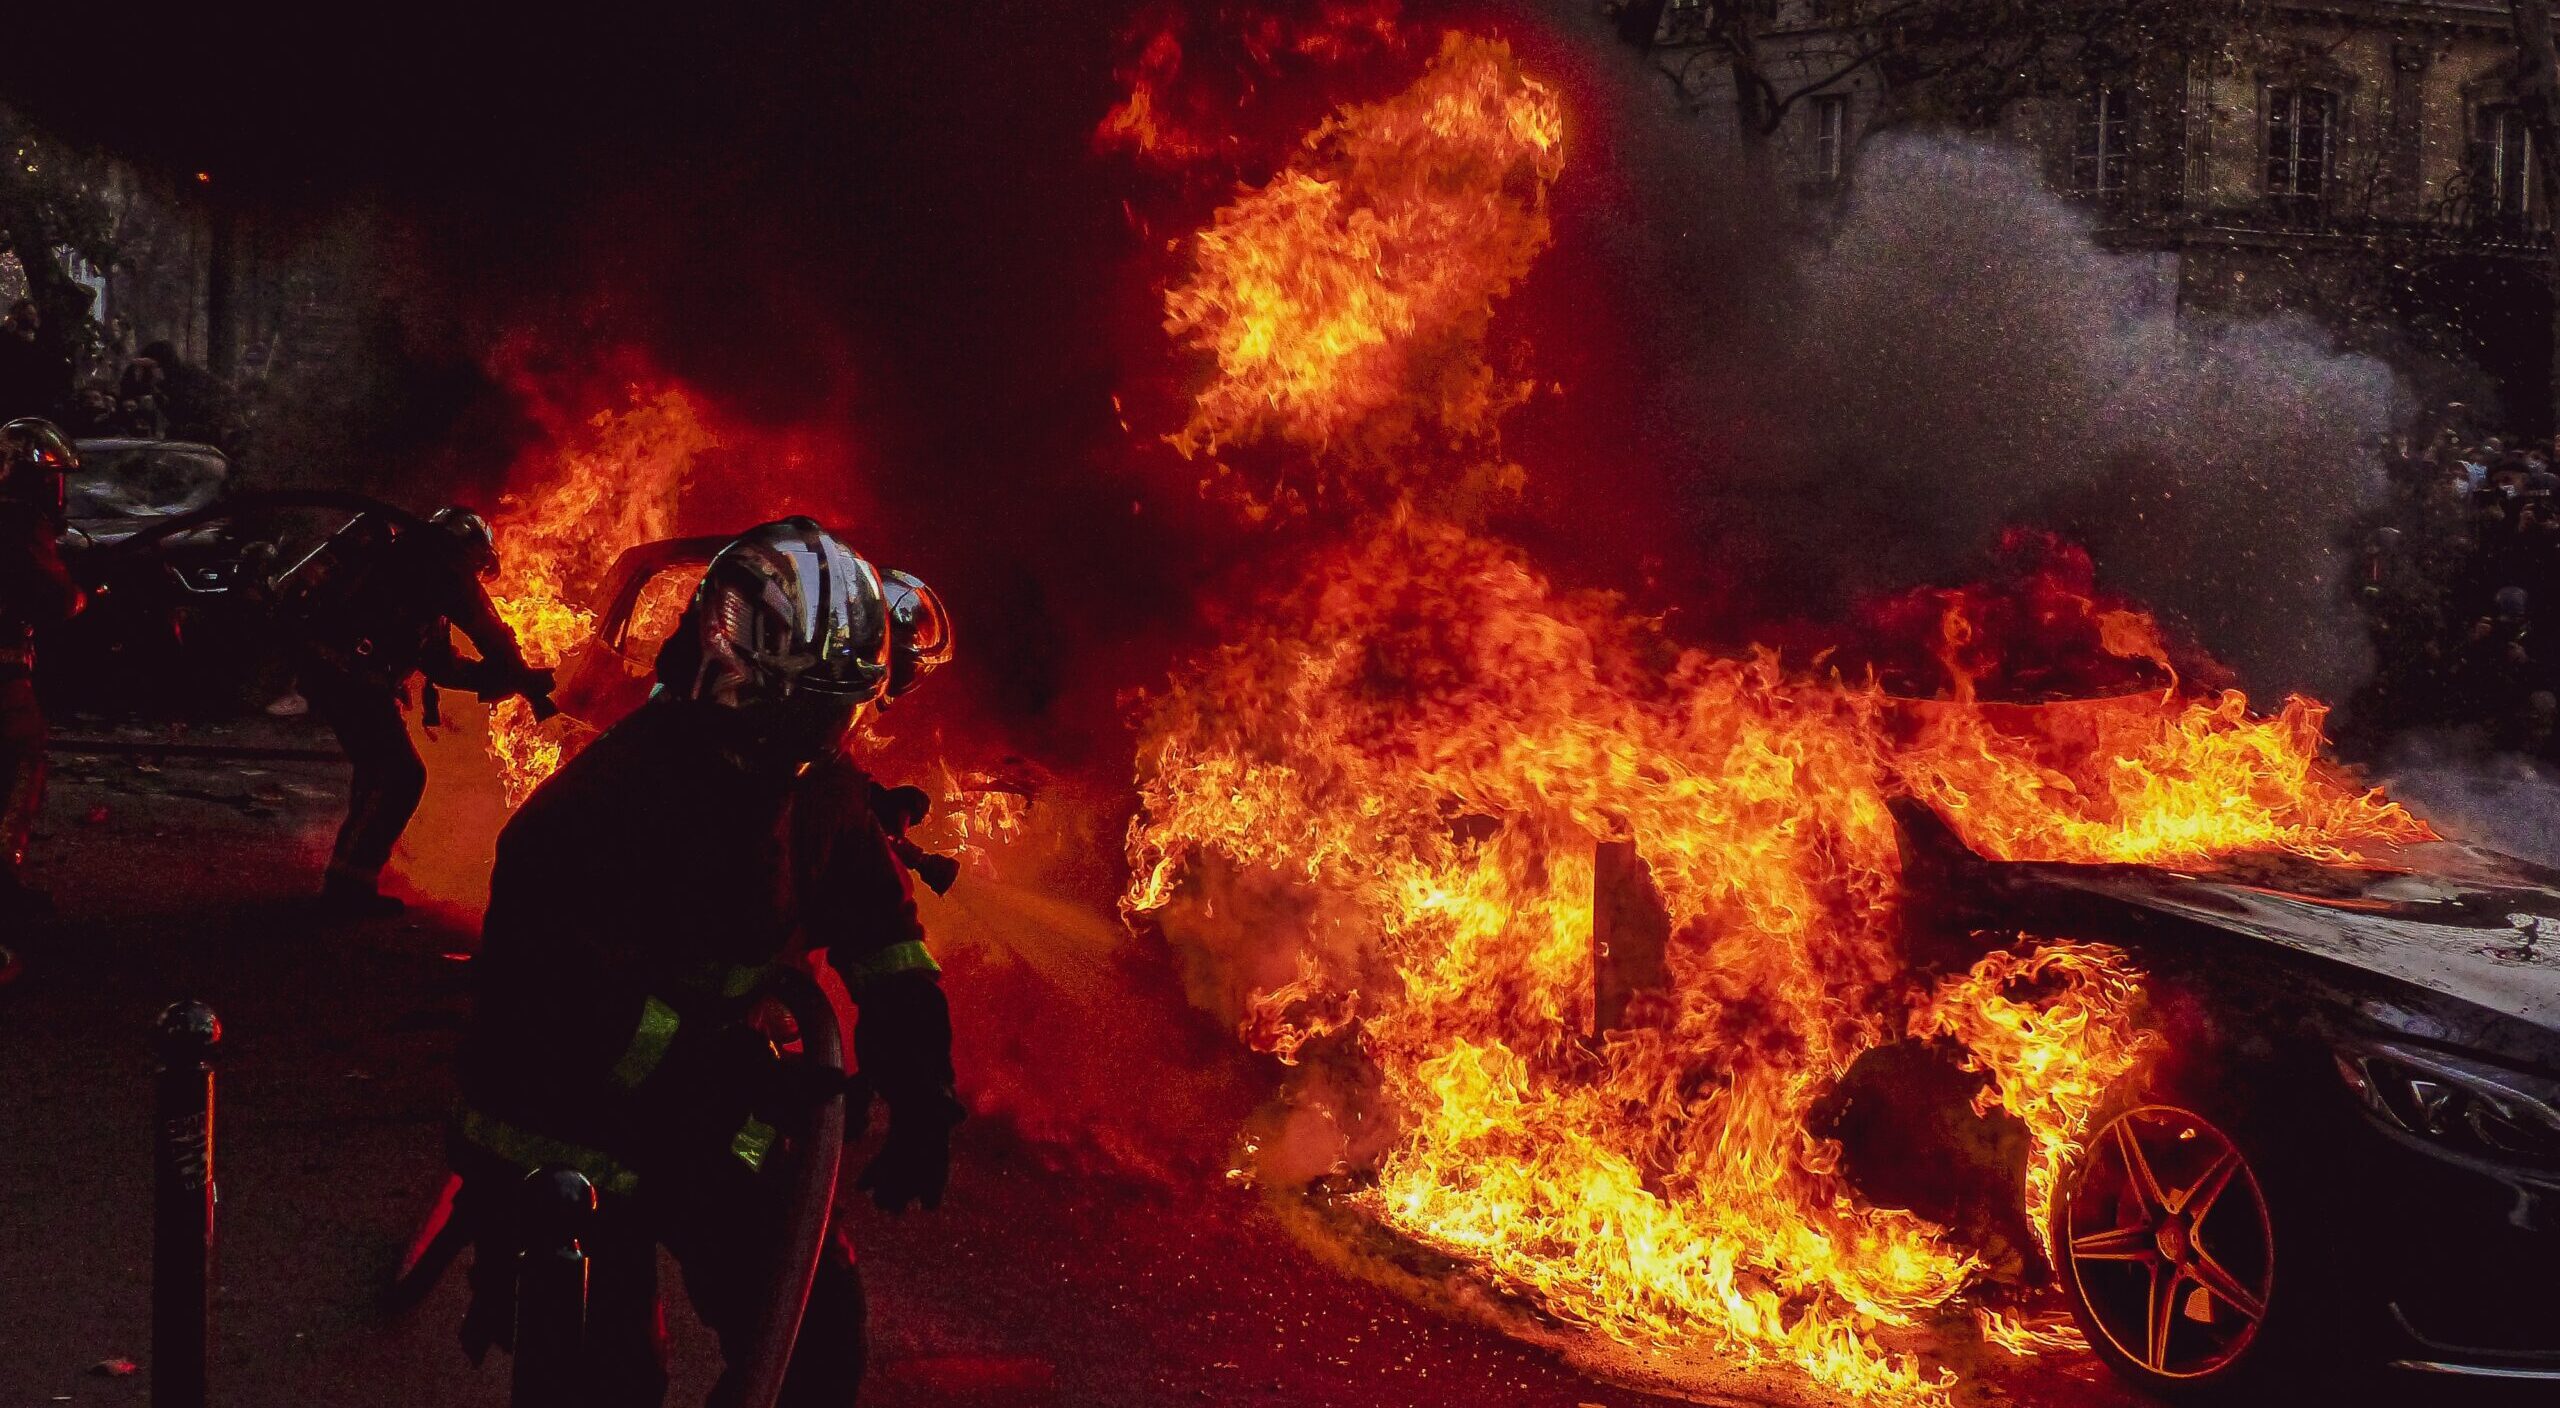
x,y
1831,138
2102,161
2299,126
2506,161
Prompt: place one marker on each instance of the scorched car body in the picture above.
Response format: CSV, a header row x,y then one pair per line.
x,y
2361,1086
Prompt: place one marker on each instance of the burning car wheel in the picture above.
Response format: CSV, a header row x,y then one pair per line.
x,y
2166,1245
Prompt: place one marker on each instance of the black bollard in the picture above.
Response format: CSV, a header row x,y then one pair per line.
x,y
185,1038
551,1289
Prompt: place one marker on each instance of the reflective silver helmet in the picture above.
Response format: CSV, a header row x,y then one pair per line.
x,y
920,635
787,618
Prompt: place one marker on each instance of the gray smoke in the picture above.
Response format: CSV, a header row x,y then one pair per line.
x,y
1971,356
1857,409
2502,801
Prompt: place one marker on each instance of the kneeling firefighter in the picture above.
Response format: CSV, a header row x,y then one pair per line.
x,y
374,607
638,897
36,591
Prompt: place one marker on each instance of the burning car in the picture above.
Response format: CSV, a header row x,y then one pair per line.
x,y
609,674
2350,1136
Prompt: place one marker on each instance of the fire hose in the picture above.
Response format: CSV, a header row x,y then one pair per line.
x,y
813,1161
810,1162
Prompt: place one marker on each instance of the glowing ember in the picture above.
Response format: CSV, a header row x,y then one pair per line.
x,y
1346,302
614,489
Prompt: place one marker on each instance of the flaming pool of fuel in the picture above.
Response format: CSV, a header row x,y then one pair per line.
x,y
1414,772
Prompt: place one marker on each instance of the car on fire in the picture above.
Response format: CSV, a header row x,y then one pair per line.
x,y
610,672
2349,1153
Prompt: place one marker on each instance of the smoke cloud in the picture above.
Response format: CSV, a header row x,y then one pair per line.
x,y
2505,802
1850,402
1971,357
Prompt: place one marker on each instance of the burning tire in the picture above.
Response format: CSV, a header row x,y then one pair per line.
x,y
2190,1270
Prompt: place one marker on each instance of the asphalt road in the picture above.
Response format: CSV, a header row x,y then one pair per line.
x,y
1048,1278
185,878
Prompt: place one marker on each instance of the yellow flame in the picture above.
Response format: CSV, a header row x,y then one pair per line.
x,y
1428,739
614,489
1346,302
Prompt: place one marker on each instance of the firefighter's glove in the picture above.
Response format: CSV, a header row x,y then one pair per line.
x,y
936,871
914,1162
900,807
534,684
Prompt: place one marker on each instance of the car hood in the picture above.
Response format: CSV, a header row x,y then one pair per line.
x,y
2448,917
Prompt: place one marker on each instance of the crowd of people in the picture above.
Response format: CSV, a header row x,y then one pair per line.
x,y
2460,588
153,393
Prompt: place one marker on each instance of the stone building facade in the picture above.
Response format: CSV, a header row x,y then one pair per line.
x,y
2362,159
249,295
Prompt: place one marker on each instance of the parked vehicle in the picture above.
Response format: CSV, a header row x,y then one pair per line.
x,y
124,486
178,558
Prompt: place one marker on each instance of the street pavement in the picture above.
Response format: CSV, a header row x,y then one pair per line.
x,y
1055,1273
185,877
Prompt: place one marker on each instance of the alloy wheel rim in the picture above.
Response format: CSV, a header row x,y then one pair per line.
x,y
2166,1236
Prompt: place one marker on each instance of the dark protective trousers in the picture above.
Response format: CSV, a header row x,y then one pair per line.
x,y
21,769
389,777
723,1236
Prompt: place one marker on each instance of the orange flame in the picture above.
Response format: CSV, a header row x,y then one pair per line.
x,y
977,815
614,489
1304,1009
1431,748
1346,302
1420,744
2054,1028
2145,779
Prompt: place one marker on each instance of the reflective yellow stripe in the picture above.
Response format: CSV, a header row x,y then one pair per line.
x,y
734,979
752,1142
530,1151
909,957
648,1043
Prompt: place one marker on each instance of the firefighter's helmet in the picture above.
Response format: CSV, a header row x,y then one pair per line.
x,y
35,456
790,632
471,535
920,636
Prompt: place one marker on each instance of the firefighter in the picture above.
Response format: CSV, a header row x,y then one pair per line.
x,y
374,609
36,591
637,896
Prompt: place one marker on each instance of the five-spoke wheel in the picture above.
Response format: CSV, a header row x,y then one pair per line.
x,y
2166,1247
